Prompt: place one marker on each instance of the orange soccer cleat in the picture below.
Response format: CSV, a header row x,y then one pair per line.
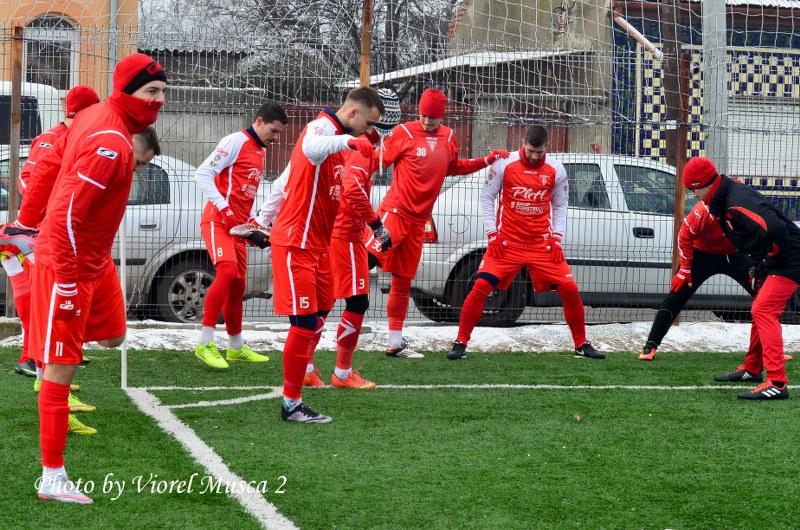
x,y
353,380
313,380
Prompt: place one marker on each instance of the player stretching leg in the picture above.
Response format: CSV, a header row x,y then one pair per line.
x,y
525,231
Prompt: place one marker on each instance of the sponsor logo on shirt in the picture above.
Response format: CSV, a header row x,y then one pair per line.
x,y
254,174
528,194
526,208
108,153
222,152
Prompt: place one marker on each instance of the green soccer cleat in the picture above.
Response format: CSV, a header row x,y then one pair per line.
x,y
245,353
76,405
76,427
210,355
37,386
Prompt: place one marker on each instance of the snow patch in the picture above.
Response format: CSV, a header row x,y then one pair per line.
x,y
534,338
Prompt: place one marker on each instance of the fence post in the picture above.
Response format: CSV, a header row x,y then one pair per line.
x,y
366,42
715,92
16,124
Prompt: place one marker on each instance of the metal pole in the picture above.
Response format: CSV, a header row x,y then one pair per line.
x,y
366,42
123,262
715,91
16,124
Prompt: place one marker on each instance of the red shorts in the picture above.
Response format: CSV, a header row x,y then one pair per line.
x,y
224,247
102,316
350,266
301,281
403,257
544,273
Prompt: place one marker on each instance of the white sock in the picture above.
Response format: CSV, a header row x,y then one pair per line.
x,y
39,373
50,471
289,404
309,368
395,338
235,341
206,335
341,373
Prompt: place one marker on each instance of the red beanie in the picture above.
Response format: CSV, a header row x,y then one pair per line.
x,y
699,173
432,103
80,97
135,71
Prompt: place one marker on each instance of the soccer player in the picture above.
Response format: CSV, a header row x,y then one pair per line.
x,y
301,232
423,152
229,178
704,251
76,293
349,259
77,99
525,231
754,226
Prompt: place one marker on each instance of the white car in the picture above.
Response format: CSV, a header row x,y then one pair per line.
x,y
168,268
618,242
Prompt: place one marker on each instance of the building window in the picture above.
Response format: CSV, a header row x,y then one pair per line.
x,y
51,52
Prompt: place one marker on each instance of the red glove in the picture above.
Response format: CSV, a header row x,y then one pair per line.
x,y
681,278
494,155
497,244
362,145
229,219
67,306
554,248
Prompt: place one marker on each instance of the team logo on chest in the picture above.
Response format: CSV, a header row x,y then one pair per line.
x,y
545,179
432,141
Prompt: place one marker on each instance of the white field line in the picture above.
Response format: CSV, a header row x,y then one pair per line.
x,y
275,393
449,387
252,501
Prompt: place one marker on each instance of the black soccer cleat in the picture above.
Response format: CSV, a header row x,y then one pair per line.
x,y
303,414
740,375
767,390
587,351
457,352
26,368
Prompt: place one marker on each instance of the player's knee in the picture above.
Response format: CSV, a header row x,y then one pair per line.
x,y
568,289
490,278
227,272
304,321
357,304
400,285
483,287
111,343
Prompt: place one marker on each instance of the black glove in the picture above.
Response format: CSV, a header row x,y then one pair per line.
x,y
381,234
758,272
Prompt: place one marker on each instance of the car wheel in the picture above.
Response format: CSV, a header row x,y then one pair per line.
x,y
502,308
181,290
434,308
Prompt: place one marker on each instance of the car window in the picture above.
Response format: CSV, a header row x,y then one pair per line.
x,y
30,126
650,190
4,178
150,186
586,187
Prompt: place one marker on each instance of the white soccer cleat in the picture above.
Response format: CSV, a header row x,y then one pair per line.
x,y
59,488
404,352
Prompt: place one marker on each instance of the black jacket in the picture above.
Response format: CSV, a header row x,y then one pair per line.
x,y
756,227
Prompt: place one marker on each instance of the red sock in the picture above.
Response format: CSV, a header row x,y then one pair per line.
x,y
397,305
472,309
573,312
312,346
233,307
295,359
347,339
218,292
53,413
